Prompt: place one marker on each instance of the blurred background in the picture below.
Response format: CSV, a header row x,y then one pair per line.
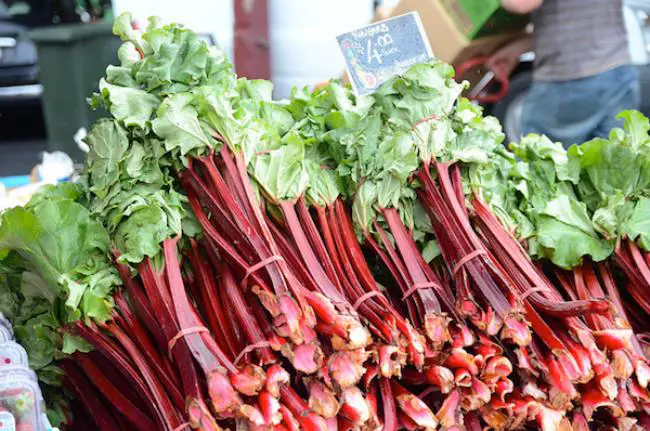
x,y
53,52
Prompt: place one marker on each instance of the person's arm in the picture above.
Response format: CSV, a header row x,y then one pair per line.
x,y
506,58
521,6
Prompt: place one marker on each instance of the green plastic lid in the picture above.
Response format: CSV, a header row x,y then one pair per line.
x,y
68,33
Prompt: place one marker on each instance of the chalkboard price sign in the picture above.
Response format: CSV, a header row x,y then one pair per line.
x,y
375,53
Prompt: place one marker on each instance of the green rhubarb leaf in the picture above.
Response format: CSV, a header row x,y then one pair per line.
x,y
142,163
611,168
73,343
143,220
177,124
432,137
538,198
190,224
605,222
363,211
131,106
566,245
121,76
128,55
214,104
396,156
535,148
189,65
476,140
51,375
141,233
501,184
176,60
566,233
123,28
11,269
108,142
615,210
570,211
281,171
65,191
58,240
388,192
342,97
421,93
636,128
33,301
38,336
323,185
430,251
54,237
154,71
637,226
256,89
342,120
278,117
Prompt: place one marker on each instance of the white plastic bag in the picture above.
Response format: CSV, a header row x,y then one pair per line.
x,y
55,167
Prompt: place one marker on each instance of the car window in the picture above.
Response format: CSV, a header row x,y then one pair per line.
x,y
4,11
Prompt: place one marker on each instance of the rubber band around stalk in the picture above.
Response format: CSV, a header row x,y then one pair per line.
x,y
250,348
424,120
259,265
363,298
182,333
532,290
418,286
463,261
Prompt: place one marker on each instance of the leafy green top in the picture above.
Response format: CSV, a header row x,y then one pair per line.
x,y
570,204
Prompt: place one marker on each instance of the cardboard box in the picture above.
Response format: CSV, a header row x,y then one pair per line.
x,y
481,18
448,41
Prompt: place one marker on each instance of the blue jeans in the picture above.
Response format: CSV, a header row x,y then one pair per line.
x,y
575,111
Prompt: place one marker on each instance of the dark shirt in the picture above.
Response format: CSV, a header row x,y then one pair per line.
x,y
578,38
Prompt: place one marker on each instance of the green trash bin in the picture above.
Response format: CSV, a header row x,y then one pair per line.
x,y
72,60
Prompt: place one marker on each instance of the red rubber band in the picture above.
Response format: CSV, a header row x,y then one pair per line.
x,y
424,120
418,286
182,333
250,348
467,258
644,337
427,391
363,298
532,290
183,426
259,265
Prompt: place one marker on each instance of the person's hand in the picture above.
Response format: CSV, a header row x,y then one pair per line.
x,y
521,7
506,58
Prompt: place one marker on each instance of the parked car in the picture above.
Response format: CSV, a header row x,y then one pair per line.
x,y
18,61
637,19
20,90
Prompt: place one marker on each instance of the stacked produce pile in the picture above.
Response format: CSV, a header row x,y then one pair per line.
x,y
333,262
